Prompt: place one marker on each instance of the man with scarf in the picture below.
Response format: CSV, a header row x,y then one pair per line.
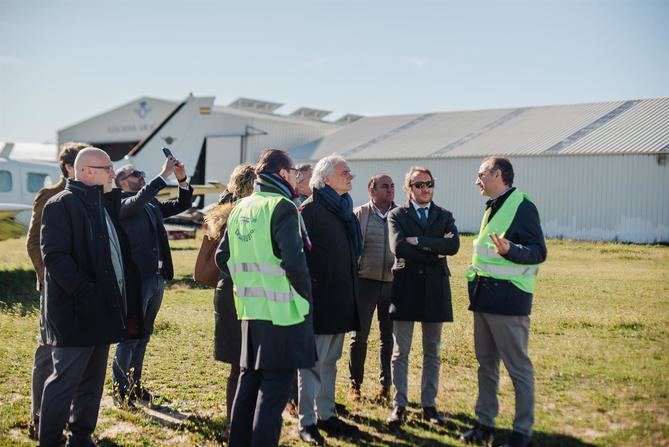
x,y
262,252
336,246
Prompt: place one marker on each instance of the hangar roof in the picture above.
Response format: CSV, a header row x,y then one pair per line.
x,y
632,126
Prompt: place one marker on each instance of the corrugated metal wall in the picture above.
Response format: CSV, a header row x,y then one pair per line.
x,y
589,197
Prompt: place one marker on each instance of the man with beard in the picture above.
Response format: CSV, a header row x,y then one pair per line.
x,y
422,234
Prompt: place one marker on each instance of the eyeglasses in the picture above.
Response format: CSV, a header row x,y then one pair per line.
x,y
108,168
423,185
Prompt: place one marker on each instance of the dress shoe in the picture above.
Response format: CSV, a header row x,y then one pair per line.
x,y
33,428
141,394
398,416
311,435
80,441
518,440
431,415
336,426
478,435
354,392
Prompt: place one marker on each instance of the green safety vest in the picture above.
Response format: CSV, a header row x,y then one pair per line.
x,y
486,262
261,289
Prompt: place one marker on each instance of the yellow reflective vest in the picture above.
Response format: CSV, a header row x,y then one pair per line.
x,y
486,262
261,289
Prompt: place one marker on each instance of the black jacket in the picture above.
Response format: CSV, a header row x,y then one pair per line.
x,y
264,345
142,218
83,305
334,270
528,246
421,287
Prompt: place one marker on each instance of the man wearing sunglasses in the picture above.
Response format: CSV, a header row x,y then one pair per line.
x,y
142,219
421,235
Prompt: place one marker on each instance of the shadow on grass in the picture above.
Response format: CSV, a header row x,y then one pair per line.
x,y
212,429
405,436
459,422
18,291
186,281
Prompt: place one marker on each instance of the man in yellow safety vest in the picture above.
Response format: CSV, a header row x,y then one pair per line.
x,y
262,251
501,281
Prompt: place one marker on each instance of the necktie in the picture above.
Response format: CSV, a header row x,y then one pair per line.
x,y
422,213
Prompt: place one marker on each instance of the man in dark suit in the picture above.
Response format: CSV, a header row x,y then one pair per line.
x,y
421,234
142,219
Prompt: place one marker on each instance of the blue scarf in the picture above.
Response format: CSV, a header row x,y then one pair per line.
x,y
282,187
342,207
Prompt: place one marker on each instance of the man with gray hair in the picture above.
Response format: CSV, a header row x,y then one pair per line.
x,y
336,246
89,296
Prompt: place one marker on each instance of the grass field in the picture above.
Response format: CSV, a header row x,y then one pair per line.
x,y
599,342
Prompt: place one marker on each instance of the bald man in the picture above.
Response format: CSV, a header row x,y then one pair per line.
x,y
87,283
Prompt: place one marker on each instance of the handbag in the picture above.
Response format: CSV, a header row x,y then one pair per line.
x,y
206,272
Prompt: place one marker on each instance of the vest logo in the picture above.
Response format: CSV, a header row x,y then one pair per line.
x,y
143,109
245,222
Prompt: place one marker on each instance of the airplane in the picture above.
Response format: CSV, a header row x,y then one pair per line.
x,y
21,177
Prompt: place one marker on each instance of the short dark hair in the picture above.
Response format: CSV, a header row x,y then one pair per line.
x,y
504,166
272,161
375,178
68,153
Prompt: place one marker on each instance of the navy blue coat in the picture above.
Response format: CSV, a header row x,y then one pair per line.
x,y
142,218
421,286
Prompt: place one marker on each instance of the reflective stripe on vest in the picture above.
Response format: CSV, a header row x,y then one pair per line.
x,y
259,292
487,262
265,269
261,289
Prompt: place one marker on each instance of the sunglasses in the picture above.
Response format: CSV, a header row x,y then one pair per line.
x,y
136,174
423,185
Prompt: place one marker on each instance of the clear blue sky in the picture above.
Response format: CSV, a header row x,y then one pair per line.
x,y
64,61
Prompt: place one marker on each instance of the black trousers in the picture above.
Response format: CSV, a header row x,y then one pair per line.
x,y
256,413
372,295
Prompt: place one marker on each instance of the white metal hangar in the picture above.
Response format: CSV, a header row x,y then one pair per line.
x,y
211,140
596,171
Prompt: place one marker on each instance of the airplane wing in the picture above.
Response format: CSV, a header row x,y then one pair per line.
x,y
9,210
171,191
9,228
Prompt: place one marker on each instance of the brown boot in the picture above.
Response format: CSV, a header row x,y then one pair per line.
x,y
354,392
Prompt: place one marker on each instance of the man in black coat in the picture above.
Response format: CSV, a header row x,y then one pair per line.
x,y
333,263
142,219
88,297
421,235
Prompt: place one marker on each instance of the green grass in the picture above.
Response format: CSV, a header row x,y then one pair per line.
x,y
599,342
